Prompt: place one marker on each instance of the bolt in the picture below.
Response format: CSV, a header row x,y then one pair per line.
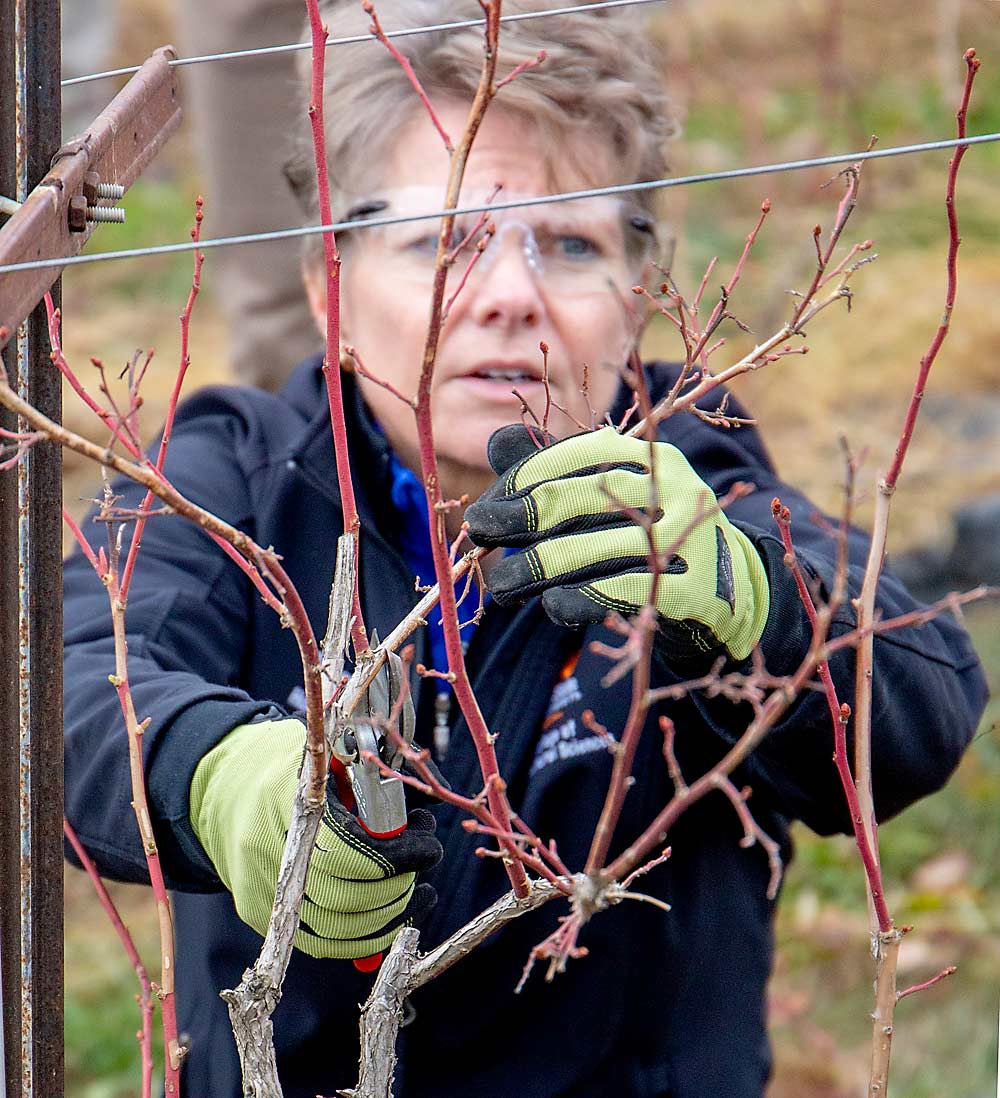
x,y
112,214
110,190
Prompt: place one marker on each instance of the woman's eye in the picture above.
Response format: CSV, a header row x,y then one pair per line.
x,y
427,244
423,245
577,247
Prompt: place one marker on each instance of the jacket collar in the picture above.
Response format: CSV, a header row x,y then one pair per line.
x,y
313,451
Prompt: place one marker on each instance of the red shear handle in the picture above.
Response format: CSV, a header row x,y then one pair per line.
x,y
370,964
346,796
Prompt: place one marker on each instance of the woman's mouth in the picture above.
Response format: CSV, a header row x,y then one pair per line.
x,y
514,377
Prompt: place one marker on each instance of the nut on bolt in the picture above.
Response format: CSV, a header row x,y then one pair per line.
x,y
90,182
77,214
84,208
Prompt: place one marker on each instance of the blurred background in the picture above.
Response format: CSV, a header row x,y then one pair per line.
x,y
753,84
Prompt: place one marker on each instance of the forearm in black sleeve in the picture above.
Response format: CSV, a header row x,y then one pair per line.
x,y
928,692
186,622
928,688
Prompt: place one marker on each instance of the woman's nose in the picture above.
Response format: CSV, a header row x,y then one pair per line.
x,y
506,288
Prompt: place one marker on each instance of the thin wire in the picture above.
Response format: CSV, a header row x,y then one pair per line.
x,y
541,200
353,39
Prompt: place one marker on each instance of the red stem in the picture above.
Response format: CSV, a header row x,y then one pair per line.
x,y
954,240
146,994
942,975
59,361
482,741
515,72
624,756
717,313
495,786
473,260
64,368
331,359
768,715
168,426
363,370
645,624
404,64
839,714
844,210
82,542
704,282
185,320
134,731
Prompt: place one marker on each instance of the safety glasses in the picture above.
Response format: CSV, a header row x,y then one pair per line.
x,y
582,247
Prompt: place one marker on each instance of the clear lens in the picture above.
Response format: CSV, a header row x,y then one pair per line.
x,y
586,246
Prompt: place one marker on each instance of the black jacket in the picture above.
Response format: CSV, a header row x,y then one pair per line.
x,y
663,1004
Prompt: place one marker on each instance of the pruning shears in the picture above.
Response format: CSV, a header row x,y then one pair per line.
x,y
382,722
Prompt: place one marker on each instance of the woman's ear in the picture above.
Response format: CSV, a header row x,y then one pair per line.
x,y
314,279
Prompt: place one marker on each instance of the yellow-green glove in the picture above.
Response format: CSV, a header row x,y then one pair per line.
x,y
564,505
359,890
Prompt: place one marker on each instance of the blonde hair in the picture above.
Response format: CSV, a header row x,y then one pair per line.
x,y
600,80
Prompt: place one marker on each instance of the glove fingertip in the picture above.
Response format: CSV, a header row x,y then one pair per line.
x,y
571,606
485,529
422,902
426,855
420,819
513,443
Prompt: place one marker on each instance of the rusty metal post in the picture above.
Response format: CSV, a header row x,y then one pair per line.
x,y
31,755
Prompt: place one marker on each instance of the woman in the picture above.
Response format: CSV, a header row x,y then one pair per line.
x,y
664,1004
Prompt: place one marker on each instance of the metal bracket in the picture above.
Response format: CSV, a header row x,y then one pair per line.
x,y
59,215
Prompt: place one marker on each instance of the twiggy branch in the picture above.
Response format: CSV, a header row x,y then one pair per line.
x,y
642,631
58,359
363,370
694,384
823,255
477,255
135,728
474,933
753,832
185,362
18,444
716,317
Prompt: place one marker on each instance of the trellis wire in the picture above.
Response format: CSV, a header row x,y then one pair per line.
x,y
541,200
352,39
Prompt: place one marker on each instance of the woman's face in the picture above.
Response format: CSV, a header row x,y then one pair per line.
x,y
555,275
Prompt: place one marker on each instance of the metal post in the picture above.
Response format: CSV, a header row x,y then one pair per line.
x,y
31,755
